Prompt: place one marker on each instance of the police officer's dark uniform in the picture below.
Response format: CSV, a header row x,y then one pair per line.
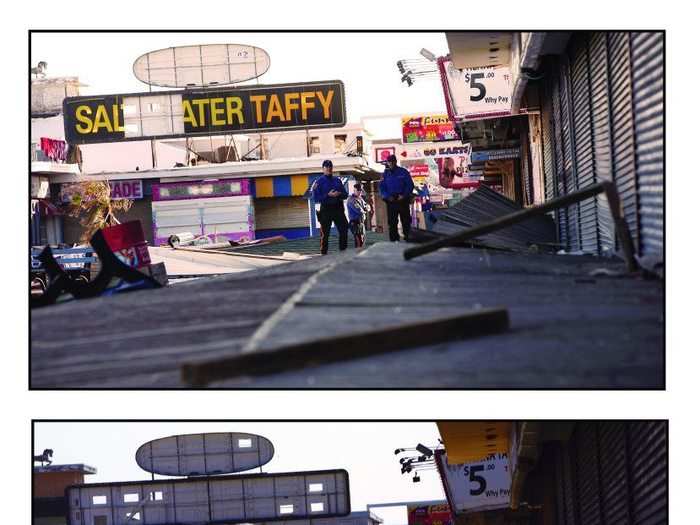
x,y
332,208
396,189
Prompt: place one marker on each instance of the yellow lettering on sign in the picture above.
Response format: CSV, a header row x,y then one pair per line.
x,y
83,119
216,111
258,100
275,109
102,120
305,105
201,102
289,105
115,117
189,115
326,104
233,107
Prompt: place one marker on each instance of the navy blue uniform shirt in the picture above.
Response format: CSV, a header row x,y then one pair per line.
x,y
396,182
323,185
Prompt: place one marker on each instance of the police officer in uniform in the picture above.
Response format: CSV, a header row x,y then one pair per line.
x,y
330,193
396,189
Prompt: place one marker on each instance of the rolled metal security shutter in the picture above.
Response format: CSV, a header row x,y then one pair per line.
x,y
559,495
613,481
587,473
648,105
559,178
278,213
569,482
648,457
568,153
583,139
602,136
622,125
547,144
525,169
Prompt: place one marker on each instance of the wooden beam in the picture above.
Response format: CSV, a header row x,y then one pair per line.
x,y
621,228
398,337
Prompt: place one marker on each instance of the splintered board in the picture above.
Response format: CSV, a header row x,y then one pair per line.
x,y
247,498
204,454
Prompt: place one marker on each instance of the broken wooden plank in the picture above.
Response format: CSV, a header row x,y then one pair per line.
x,y
231,254
390,339
621,227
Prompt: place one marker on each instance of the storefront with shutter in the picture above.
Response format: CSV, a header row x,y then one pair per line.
x,y
602,117
593,472
219,209
281,206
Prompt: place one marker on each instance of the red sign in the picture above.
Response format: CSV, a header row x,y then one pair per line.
x,y
430,515
419,170
428,128
127,242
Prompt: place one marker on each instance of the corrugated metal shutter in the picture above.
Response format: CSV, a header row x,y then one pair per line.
x,y
602,138
560,181
648,103
568,152
281,212
547,144
588,483
559,496
583,139
623,126
648,452
613,483
568,477
525,170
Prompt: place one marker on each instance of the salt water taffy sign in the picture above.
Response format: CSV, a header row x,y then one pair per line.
x,y
478,486
203,112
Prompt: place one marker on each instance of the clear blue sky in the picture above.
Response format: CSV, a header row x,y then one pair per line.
x,y
365,450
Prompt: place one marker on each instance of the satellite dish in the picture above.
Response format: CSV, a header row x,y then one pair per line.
x,y
204,454
201,66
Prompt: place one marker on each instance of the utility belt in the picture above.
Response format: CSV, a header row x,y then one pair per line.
x,y
332,207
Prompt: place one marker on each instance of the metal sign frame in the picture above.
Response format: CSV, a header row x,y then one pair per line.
x,y
151,461
114,117
146,57
217,499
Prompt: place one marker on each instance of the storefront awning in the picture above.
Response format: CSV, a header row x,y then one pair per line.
x,y
468,441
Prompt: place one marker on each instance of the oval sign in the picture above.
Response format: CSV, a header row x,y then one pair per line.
x,y
201,66
204,454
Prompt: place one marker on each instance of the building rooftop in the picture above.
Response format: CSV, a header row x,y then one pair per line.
x,y
255,168
74,467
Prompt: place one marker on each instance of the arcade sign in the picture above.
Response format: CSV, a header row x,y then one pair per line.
x,y
204,112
